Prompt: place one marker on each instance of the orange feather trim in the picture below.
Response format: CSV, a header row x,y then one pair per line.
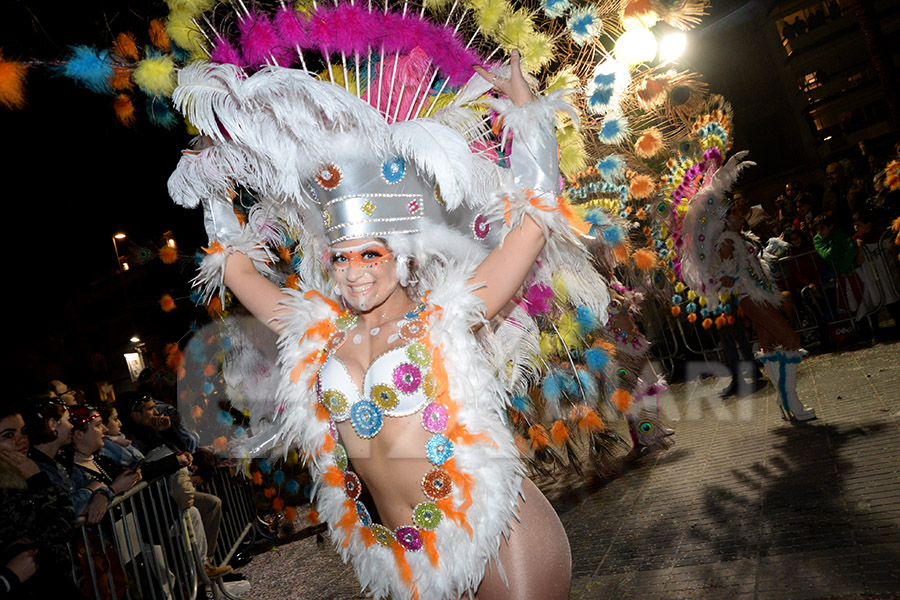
x,y
125,46
12,83
461,435
368,537
461,480
333,477
322,413
622,399
559,433
158,35
405,571
313,516
457,516
292,281
429,540
348,521
328,444
124,110
314,294
537,433
214,247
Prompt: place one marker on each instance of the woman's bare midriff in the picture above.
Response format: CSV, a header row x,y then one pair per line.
x,y
391,465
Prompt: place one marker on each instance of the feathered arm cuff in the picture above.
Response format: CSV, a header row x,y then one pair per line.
x,y
199,179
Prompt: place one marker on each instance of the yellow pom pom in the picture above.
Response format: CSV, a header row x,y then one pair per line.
x,y
670,243
702,301
516,29
548,345
570,331
184,32
679,287
692,295
192,7
489,13
563,80
339,75
560,291
537,51
156,75
572,155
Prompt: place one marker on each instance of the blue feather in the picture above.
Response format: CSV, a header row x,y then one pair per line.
x,y
596,216
521,404
160,113
278,477
611,168
552,388
588,383
586,318
569,384
596,360
90,67
265,466
292,487
613,235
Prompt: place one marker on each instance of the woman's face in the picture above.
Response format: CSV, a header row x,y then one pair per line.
x,y
113,424
365,272
63,428
796,240
12,434
91,439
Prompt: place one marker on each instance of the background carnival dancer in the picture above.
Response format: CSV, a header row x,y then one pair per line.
x,y
398,360
718,261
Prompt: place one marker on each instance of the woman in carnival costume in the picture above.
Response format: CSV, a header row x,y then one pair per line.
x,y
398,361
717,259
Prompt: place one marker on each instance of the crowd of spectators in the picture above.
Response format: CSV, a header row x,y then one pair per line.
x,y
833,257
63,462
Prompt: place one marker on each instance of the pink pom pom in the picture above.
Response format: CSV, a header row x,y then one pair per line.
x,y
224,53
260,42
537,299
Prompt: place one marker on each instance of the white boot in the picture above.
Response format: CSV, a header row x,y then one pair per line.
x,y
781,367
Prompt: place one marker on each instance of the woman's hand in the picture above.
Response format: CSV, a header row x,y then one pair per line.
x,y
125,481
96,509
20,463
23,565
515,88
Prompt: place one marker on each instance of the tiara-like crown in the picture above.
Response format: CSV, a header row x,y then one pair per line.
x,y
364,200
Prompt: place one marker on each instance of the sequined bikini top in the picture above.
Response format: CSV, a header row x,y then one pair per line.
x,y
394,385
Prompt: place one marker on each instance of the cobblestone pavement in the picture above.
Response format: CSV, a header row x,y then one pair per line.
x,y
744,506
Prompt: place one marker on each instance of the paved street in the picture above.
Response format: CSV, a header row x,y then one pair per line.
x,y
744,506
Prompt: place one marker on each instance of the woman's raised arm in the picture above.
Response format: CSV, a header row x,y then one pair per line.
x,y
259,295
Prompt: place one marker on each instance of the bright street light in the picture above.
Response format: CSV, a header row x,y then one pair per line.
x,y
635,46
672,46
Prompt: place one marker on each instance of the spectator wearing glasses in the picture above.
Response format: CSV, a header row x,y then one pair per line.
x,y
37,517
155,436
69,396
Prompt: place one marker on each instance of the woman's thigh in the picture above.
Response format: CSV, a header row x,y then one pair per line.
x,y
536,557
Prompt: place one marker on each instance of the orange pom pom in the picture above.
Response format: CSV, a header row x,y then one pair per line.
x,y
622,399
196,412
649,144
707,323
692,318
220,443
645,259
158,35
12,83
313,516
269,492
121,79
277,504
290,513
214,308
539,437
125,46
166,303
124,110
730,319
676,310
257,478
559,433
168,255
720,321
209,370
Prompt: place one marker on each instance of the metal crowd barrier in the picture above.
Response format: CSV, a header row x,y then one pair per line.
x,y
821,312
154,543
